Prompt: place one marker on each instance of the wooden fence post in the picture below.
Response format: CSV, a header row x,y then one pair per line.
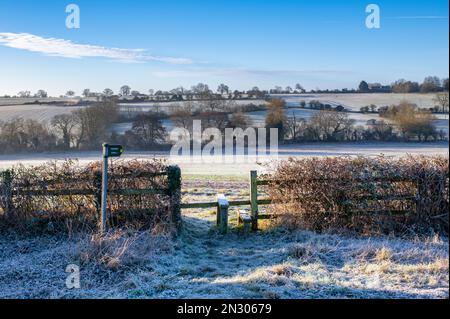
x,y
222,213
174,179
420,199
98,193
7,191
254,199
245,220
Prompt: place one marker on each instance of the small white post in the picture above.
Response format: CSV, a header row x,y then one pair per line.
x,y
222,213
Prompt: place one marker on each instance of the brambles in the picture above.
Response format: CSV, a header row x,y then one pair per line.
x,y
365,195
66,196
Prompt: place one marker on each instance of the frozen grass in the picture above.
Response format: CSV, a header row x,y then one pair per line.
x,y
204,264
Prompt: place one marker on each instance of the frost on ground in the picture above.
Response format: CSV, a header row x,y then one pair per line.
x,y
201,263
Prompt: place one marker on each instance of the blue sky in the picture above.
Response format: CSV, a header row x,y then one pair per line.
x,y
320,44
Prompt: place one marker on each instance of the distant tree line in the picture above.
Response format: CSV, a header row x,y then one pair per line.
x,y
223,91
84,128
440,99
431,84
88,127
404,122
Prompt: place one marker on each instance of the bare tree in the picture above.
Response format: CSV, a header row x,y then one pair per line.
x,y
108,92
25,135
182,118
299,88
125,90
41,94
24,94
239,120
330,125
445,84
38,136
430,84
403,86
275,117
94,123
178,91
201,90
64,125
295,127
213,119
380,130
135,93
278,89
412,122
223,89
149,130
441,99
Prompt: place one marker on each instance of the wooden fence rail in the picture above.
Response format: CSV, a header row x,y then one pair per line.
x,y
173,190
254,202
222,208
43,188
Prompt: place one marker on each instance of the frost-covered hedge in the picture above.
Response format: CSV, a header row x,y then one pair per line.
x,y
366,195
66,196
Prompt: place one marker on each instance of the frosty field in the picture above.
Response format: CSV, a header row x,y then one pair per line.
x,y
354,101
242,169
15,107
201,263
34,112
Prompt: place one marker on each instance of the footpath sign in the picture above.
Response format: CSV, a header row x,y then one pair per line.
x,y
108,151
112,150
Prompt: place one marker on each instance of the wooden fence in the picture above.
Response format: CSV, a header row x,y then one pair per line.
x,y
8,190
223,204
250,220
173,190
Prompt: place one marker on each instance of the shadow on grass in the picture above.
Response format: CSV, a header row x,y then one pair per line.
x,y
261,265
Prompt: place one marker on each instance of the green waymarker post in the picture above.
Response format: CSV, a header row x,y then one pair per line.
x,y
108,151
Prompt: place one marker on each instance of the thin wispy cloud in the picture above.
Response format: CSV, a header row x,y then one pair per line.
x,y
238,72
69,49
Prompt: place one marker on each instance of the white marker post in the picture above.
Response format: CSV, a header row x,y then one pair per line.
x,y
108,151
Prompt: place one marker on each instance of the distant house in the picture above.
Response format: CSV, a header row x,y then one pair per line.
x,y
379,88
